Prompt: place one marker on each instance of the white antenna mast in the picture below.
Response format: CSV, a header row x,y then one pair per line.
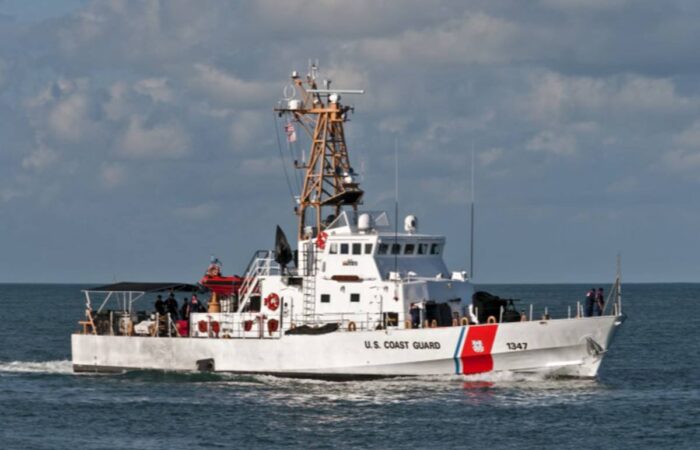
x,y
471,219
396,215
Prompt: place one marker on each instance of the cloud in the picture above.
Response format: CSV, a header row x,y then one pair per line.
x,y
555,97
552,143
220,86
685,157
64,110
198,212
489,156
578,5
40,159
8,194
682,160
247,129
625,185
165,140
474,38
258,167
156,88
690,137
112,175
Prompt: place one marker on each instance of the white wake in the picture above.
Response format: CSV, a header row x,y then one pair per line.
x,y
62,367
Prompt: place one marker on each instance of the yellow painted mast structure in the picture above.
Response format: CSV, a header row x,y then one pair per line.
x,y
329,180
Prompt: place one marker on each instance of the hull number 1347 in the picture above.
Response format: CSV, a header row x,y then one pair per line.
x,y
516,345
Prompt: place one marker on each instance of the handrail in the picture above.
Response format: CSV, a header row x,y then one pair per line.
x,y
262,264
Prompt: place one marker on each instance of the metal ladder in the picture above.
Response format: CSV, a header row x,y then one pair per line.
x,y
310,267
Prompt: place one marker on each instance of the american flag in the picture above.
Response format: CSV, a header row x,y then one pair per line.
x,y
291,132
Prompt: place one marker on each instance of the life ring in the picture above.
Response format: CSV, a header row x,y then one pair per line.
x,y
352,326
202,326
272,326
491,319
215,327
247,325
272,302
321,240
464,321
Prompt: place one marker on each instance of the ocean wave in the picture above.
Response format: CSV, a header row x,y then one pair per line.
x,y
62,366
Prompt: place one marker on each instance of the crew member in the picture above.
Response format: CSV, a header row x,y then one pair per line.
x,y
184,310
599,302
590,301
194,306
160,305
171,307
415,315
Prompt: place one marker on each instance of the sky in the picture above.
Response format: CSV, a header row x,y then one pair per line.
x,y
137,138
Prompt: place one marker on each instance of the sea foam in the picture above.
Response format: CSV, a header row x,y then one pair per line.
x,y
61,366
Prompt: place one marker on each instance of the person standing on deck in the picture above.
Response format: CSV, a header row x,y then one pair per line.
x,y
599,302
194,306
590,301
171,307
414,311
184,310
160,305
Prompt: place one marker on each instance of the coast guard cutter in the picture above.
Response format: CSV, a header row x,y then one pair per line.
x,y
356,299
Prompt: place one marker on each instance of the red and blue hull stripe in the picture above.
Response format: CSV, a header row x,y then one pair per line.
x,y
473,351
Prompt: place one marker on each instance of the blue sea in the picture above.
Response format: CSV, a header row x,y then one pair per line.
x,y
647,394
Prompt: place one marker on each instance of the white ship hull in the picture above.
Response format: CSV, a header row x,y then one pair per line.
x,y
564,347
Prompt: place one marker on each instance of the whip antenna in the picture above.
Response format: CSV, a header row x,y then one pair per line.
x,y
471,220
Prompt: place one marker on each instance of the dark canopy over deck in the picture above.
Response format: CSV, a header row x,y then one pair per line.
x,y
129,286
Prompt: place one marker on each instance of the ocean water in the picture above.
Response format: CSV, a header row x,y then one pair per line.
x,y
647,394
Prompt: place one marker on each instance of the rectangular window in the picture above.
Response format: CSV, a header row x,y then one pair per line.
x,y
368,249
355,297
333,249
325,298
344,249
435,249
382,249
409,249
357,249
395,249
422,249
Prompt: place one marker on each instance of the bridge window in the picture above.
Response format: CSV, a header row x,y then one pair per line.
x,y
435,249
344,249
383,249
357,248
368,249
333,249
325,298
395,249
422,249
355,298
409,249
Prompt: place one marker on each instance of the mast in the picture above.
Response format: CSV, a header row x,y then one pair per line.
x,y
471,222
329,180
